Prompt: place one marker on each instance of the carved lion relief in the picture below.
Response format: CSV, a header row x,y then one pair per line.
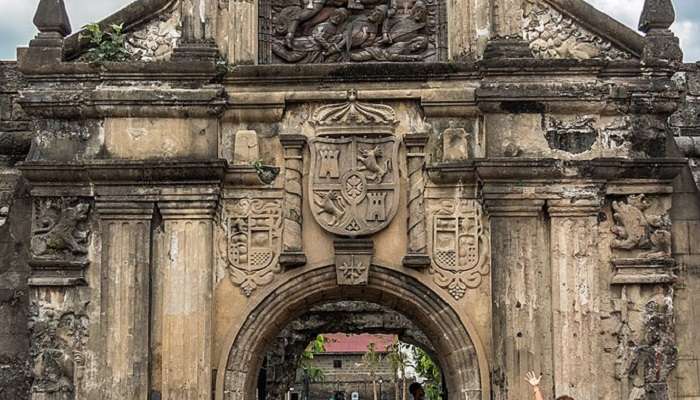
x,y
331,31
460,246
60,229
637,229
251,243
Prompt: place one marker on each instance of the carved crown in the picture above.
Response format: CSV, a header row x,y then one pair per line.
x,y
354,118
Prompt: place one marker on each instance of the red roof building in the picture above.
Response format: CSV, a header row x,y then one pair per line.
x,y
344,343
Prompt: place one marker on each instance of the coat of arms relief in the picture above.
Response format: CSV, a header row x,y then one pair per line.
x,y
251,243
354,179
460,246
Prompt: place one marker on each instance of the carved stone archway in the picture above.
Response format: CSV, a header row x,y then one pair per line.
x,y
459,349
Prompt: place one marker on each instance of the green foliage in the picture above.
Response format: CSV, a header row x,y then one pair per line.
x,y
428,369
318,345
108,45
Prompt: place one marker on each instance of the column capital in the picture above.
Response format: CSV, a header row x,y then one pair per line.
x,y
416,139
505,208
291,141
124,210
573,208
186,210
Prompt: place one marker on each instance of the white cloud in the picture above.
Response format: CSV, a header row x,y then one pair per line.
x,y
625,11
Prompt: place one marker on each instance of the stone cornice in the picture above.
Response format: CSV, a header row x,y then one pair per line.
x,y
573,208
548,170
514,208
130,209
123,171
124,102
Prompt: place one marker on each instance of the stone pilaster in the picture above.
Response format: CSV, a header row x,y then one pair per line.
x,y
292,243
575,310
417,256
125,298
243,32
198,30
186,285
521,319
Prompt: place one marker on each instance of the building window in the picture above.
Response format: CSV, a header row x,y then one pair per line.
x,y
337,363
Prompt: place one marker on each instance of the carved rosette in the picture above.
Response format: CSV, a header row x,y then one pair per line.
x,y
460,246
59,334
251,243
552,34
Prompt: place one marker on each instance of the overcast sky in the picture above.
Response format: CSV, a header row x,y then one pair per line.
x,y
16,28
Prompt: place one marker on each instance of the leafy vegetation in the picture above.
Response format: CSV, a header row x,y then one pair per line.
x,y
428,369
317,346
106,45
399,360
372,359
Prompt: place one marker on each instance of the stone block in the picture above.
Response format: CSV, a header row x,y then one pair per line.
x,y
681,244
694,237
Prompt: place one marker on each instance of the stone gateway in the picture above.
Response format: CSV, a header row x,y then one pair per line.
x,y
188,200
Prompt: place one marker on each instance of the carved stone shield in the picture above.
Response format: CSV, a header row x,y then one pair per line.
x,y
460,246
354,183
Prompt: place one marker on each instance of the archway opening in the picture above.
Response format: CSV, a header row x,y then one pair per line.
x,y
350,349
463,361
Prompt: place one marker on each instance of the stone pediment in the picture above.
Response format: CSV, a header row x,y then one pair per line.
x,y
410,31
574,29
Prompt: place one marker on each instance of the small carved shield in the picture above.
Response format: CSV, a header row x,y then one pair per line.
x,y
460,246
253,237
354,183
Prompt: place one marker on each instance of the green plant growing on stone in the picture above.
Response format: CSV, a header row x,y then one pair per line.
x,y
266,173
429,370
106,45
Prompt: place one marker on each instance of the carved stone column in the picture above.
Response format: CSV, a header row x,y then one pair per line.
x,y
186,285
243,32
417,256
575,276
521,320
292,243
125,298
198,30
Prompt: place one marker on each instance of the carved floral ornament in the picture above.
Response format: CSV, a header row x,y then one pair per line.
x,y
552,34
331,31
460,246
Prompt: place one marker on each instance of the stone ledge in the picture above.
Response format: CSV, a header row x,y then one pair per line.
x,y
605,169
630,271
122,171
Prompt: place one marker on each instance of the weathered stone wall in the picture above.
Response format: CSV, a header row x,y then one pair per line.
x,y
15,210
686,232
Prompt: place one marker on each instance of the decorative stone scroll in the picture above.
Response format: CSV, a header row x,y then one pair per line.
x,y
59,339
251,242
354,183
460,246
552,34
332,31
